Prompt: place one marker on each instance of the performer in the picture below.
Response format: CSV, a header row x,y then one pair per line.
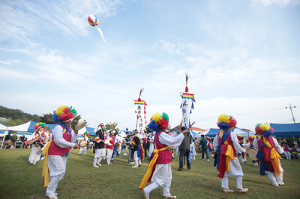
x,y
109,147
36,147
85,139
115,149
250,145
100,151
131,152
193,150
57,149
151,148
159,171
241,155
268,156
209,147
226,161
137,150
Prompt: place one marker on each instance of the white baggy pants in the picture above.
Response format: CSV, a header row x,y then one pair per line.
x,y
57,167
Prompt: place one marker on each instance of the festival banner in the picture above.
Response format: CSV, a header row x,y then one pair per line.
x,y
140,110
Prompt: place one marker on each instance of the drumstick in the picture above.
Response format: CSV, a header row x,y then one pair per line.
x,y
191,125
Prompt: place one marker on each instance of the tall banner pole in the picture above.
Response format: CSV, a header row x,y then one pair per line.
x,y
187,106
140,110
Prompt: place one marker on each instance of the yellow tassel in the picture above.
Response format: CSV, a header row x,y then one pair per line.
x,y
60,110
156,117
224,118
264,127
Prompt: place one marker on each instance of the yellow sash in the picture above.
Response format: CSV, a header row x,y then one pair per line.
x,y
274,155
45,165
151,165
229,152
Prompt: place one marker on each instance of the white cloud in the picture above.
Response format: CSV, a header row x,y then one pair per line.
x,y
278,2
173,48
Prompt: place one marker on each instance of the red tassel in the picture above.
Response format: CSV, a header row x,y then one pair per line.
x,y
186,89
139,99
137,117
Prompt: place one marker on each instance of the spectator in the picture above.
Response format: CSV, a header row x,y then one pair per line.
x,y
185,151
14,137
23,138
8,137
8,141
203,144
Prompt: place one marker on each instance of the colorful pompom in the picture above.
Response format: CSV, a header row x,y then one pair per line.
x,y
156,117
264,129
64,113
159,122
224,118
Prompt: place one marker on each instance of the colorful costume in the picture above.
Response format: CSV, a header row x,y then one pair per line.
x,y
250,145
109,148
226,143
138,151
159,171
57,150
210,150
85,139
267,154
242,155
100,150
36,147
193,150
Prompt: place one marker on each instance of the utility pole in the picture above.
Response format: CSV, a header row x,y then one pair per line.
x,y
291,108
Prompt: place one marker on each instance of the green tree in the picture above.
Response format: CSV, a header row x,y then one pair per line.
x,y
47,118
112,126
75,121
147,130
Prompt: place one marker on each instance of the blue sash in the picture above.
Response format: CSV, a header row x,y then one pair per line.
x,y
218,151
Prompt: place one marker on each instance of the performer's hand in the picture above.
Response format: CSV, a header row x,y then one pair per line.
x,y
185,131
76,146
76,131
178,130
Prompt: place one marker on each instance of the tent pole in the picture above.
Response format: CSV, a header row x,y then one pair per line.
x,y
3,138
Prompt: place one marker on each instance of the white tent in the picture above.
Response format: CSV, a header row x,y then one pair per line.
x,y
27,127
2,127
240,131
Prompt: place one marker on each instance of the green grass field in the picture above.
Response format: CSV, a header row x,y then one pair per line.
x,y
19,179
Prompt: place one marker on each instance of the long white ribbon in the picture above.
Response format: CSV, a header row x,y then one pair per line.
x,y
101,33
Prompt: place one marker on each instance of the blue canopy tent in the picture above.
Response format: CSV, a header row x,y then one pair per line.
x,y
286,130
213,132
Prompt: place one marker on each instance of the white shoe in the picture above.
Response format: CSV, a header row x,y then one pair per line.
x,y
98,164
42,158
135,167
95,166
146,195
275,185
207,160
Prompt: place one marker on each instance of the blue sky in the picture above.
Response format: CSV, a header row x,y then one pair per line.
x,y
242,57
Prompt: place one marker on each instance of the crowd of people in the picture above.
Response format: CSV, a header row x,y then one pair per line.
x,y
159,148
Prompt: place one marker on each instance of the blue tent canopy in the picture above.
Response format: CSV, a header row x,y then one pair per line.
x,y
286,130
212,132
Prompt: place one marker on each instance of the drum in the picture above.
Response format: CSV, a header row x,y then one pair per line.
x,y
252,155
247,149
80,125
117,144
83,144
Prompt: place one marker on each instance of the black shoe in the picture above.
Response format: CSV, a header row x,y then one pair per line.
x,y
189,169
179,169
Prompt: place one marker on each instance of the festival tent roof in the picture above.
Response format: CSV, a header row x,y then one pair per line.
x,y
27,127
122,133
213,132
88,129
286,130
2,127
